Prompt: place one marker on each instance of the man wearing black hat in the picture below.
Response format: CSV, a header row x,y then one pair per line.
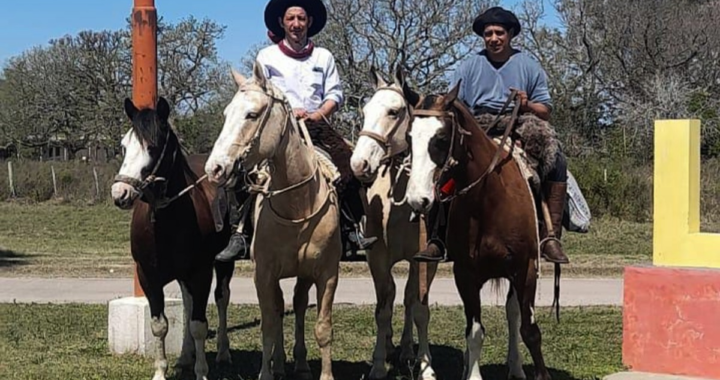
x,y
487,79
309,79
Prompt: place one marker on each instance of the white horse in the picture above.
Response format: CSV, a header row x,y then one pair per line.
x,y
375,158
296,217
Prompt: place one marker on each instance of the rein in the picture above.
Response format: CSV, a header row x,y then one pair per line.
x,y
451,162
264,188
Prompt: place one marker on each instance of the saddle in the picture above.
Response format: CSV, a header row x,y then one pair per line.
x,y
536,157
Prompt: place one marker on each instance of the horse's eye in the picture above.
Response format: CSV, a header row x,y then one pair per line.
x,y
393,113
252,115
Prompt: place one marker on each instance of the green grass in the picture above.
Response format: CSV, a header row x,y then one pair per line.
x,y
93,241
70,342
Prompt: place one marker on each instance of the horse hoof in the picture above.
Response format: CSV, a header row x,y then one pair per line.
x,y
378,373
223,358
303,374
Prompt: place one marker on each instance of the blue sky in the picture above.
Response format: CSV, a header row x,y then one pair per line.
x,y
28,23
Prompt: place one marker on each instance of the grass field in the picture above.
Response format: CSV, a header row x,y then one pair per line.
x,y
62,240
70,342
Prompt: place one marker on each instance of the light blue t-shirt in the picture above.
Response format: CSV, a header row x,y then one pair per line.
x,y
485,86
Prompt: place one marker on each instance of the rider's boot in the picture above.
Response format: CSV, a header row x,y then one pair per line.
x,y
550,245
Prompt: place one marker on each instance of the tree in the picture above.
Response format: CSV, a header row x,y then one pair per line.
x,y
427,38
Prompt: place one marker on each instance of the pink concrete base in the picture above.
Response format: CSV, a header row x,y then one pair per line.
x,y
671,321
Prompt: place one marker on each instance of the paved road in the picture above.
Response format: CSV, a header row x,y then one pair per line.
x,y
356,291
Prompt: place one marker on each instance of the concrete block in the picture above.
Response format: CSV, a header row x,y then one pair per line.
x,y
129,326
670,321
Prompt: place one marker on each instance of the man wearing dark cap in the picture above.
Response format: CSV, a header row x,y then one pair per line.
x,y
487,79
307,75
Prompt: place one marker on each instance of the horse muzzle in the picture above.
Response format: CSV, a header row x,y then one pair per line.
x,y
124,195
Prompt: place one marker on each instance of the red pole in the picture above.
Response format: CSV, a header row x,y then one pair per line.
x,y
144,59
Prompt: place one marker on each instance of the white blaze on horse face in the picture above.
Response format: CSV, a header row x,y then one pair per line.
x,y
384,110
241,115
420,192
136,159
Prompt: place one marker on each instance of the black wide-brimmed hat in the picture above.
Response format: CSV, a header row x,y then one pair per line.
x,y
276,9
499,16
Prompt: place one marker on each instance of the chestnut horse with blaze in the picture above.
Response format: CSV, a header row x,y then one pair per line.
x,y
492,230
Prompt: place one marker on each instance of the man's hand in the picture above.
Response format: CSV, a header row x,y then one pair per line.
x,y
540,110
314,117
300,113
524,106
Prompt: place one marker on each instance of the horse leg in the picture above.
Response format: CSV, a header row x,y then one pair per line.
x,y
323,328
421,316
159,327
300,304
224,273
186,359
278,355
380,269
529,329
514,358
271,320
469,291
200,291
412,289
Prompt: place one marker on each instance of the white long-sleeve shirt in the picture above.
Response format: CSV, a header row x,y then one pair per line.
x,y
308,82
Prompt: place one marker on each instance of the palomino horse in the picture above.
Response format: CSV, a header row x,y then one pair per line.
x,y
173,234
296,217
492,227
375,159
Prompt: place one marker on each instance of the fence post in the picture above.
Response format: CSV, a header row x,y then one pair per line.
x,y
97,184
52,169
10,178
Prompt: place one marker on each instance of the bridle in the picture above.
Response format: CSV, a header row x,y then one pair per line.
x,y
384,140
264,188
451,162
153,182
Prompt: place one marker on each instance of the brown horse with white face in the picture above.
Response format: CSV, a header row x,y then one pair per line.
x,y
173,234
492,227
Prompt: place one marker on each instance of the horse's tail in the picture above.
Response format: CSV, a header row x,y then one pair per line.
x,y
556,295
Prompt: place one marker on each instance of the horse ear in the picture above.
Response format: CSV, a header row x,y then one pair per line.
x,y
163,109
376,79
399,77
412,97
239,79
259,74
130,109
451,96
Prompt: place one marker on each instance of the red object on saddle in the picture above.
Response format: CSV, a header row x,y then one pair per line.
x,y
449,187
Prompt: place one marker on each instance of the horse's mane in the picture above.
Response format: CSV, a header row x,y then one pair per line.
x,y
465,118
462,113
150,132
